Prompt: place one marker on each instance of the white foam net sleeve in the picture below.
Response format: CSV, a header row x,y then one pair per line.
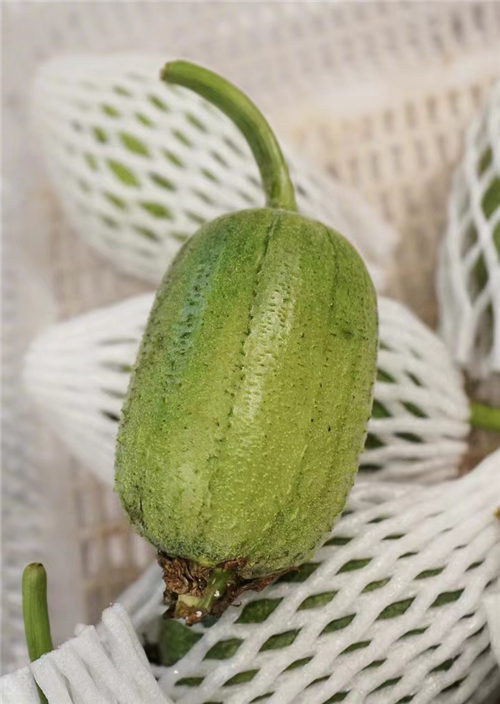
x,y
390,609
420,417
469,269
140,165
492,606
105,667
78,372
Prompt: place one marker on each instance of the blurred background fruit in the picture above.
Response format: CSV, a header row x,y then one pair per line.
x,y
469,269
139,165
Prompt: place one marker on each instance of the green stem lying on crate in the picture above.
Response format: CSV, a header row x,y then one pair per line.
x,y
240,109
36,614
484,417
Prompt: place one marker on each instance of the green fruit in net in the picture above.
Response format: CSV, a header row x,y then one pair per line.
x,y
248,407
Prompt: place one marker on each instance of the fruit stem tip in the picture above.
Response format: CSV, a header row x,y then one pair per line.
x,y
250,121
36,614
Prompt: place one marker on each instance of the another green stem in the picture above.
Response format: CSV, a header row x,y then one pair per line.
x,y
485,417
215,590
36,614
248,118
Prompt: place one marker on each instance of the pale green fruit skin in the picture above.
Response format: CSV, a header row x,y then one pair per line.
x,y
248,406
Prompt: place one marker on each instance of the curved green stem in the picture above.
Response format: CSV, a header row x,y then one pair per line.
x,y
248,118
485,417
36,614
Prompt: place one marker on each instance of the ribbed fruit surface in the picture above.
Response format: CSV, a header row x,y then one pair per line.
x,y
252,392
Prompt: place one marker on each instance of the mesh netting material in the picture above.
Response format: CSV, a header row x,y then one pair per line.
x,y
108,667
78,373
469,272
492,607
420,415
389,611
139,165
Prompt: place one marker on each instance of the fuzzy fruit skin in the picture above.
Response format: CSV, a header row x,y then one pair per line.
x,y
248,406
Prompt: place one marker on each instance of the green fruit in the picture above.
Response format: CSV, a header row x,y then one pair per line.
x,y
174,641
252,389
248,406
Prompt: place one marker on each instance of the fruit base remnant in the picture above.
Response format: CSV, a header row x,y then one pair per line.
x,y
194,591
